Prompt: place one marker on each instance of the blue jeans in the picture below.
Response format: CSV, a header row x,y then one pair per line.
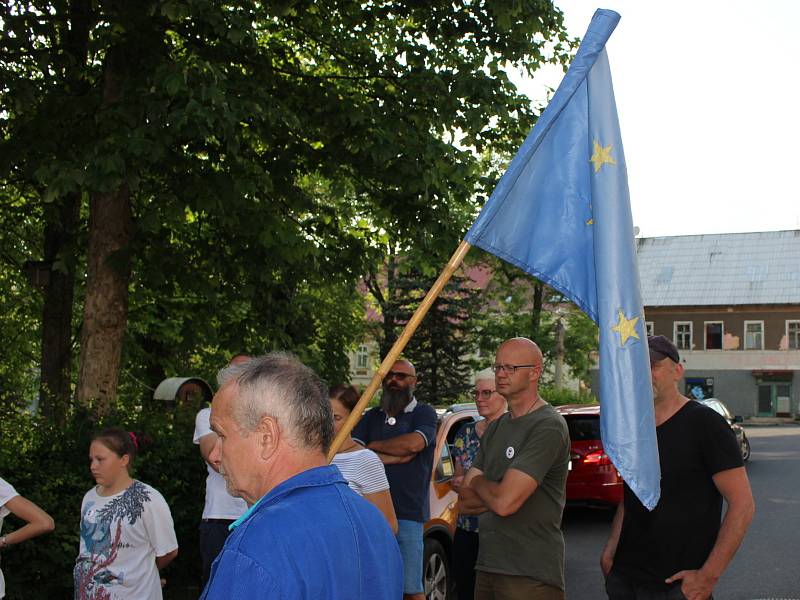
x,y
409,538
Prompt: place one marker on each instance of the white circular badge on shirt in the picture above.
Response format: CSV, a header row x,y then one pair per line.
x,y
510,452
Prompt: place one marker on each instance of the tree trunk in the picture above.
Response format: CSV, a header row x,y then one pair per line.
x,y
56,376
389,309
105,311
536,312
61,223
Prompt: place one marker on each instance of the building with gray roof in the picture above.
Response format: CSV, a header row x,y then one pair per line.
x,y
731,303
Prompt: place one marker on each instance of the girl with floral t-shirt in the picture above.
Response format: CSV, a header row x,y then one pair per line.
x,y
127,533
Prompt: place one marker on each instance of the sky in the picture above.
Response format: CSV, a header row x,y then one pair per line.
x,y
708,96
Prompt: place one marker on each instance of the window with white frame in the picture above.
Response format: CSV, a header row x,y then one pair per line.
x,y
714,333
649,328
362,356
682,335
754,335
793,335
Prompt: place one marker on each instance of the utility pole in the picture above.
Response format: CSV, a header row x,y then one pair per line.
x,y
559,374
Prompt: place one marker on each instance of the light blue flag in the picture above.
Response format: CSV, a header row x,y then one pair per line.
x,y
562,213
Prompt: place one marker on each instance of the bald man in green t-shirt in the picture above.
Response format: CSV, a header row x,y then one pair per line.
x,y
517,485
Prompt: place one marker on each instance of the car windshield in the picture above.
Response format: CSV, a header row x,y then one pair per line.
x,y
583,428
718,406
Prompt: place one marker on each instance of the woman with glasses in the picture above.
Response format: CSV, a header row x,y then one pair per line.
x,y
362,468
491,405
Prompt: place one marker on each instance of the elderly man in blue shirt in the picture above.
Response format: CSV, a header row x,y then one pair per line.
x,y
306,535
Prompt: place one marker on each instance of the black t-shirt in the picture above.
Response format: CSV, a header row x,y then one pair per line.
x,y
694,444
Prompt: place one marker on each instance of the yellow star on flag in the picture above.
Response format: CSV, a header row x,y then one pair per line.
x,y
626,328
601,156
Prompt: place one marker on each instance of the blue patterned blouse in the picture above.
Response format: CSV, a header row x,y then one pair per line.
x,y
465,449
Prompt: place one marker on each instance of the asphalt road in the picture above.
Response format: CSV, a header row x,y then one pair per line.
x,y
767,566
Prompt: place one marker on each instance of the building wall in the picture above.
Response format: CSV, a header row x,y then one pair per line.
x,y
733,318
736,373
738,389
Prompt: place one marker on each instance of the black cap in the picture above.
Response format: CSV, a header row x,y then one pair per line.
x,y
661,348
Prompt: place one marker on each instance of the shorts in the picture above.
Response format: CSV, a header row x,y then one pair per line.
x,y
498,586
409,538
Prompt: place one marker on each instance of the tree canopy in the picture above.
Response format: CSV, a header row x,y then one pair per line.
x,y
203,178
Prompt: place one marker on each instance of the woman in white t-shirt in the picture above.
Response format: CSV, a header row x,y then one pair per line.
x,y
127,533
362,468
36,520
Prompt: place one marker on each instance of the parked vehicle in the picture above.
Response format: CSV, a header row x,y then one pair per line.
x,y
441,526
719,406
592,479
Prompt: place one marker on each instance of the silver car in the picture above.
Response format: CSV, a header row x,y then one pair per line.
x,y
718,406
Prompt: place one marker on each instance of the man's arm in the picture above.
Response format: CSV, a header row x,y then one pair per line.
x,y
735,488
207,443
469,503
388,459
504,497
610,550
407,444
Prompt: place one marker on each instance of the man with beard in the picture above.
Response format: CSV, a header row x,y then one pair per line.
x,y
402,432
680,549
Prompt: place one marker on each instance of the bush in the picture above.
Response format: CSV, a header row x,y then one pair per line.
x,y
49,465
565,396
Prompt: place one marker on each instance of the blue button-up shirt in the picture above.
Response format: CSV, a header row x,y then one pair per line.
x,y
310,538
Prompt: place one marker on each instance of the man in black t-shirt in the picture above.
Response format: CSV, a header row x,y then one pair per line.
x,y
680,549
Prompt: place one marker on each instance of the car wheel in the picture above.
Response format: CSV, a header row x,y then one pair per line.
x,y
745,448
436,574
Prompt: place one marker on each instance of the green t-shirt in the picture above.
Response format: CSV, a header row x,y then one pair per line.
x,y
529,542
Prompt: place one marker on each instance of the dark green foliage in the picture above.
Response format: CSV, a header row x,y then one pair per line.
x,y
269,149
444,342
565,396
508,310
49,465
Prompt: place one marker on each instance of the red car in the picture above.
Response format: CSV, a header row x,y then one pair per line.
x,y
592,478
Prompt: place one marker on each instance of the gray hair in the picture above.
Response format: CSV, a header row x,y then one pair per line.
x,y
487,373
278,385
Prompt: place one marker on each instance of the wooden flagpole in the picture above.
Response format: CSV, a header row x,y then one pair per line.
x,y
397,349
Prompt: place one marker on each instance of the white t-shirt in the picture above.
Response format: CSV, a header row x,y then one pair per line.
x,y
219,503
363,471
121,536
7,492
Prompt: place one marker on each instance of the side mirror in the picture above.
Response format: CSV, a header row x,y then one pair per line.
x,y
444,470
738,419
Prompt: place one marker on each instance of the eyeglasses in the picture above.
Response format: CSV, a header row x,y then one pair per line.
x,y
511,369
398,375
484,393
